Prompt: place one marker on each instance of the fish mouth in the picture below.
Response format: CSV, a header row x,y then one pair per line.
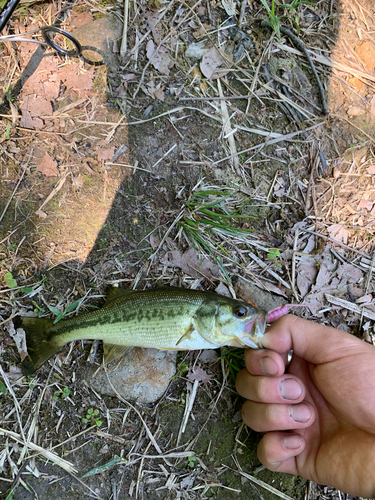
x,y
253,331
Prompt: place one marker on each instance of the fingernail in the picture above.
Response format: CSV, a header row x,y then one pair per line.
x,y
268,366
290,388
300,413
293,442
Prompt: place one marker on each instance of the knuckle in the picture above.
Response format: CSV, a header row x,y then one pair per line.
x,y
271,415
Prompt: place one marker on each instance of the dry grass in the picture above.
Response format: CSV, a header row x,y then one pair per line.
x,y
236,211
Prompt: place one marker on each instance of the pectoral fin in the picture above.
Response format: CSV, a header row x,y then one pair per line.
x,y
113,351
186,335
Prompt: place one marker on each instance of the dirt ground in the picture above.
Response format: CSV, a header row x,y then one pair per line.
x,y
199,155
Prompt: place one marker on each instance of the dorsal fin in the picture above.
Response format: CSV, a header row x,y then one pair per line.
x,y
114,293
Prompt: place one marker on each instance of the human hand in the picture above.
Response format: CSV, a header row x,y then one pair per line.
x,y
319,418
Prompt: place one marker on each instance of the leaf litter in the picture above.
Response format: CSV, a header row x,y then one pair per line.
x,y
325,262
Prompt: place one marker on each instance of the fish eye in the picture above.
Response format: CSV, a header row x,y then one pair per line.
x,y
240,311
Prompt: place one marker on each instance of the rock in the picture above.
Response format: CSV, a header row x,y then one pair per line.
x,y
264,300
101,35
140,375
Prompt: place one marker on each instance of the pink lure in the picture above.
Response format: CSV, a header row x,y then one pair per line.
x,y
276,313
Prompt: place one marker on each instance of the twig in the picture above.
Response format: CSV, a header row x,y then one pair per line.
x,y
135,167
164,156
337,243
298,43
54,191
273,141
355,126
369,275
295,244
112,132
49,455
259,482
158,47
268,270
330,63
123,47
350,306
242,13
227,129
15,189
226,98
188,407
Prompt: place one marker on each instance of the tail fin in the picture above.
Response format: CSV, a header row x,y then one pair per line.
x,y
41,342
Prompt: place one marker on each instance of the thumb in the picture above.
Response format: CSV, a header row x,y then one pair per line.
x,y
311,341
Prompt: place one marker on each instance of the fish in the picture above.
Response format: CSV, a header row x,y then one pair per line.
x,y
165,318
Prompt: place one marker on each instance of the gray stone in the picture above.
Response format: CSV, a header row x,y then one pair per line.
x,y
140,375
101,34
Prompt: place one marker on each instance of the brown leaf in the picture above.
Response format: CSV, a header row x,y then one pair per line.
x,y
338,232
351,273
160,60
154,92
190,263
152,17
367,204
306,278
211,61
104,153
322,278
154,241
199,374
48,166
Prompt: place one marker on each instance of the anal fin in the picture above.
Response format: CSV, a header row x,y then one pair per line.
x,y
113,351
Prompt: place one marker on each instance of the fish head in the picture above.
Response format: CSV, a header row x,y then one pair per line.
x,y
240,324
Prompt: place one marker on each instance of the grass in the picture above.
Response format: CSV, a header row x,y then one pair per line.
x,y
290,11
214,219
234,359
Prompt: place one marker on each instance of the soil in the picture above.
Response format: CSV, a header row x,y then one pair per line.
x,y
82,219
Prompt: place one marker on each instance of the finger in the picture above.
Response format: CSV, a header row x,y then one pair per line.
x,y
312,341
264,362
269,389
262,417
277,451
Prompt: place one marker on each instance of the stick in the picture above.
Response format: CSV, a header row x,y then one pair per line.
x,y
298,43
242,13
164,156
54,191
188,408
272,141
345,304
227,129
49,455
14,190
269,271
337,243
123,47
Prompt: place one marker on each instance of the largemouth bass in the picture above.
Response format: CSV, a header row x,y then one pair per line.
x,y
162,318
